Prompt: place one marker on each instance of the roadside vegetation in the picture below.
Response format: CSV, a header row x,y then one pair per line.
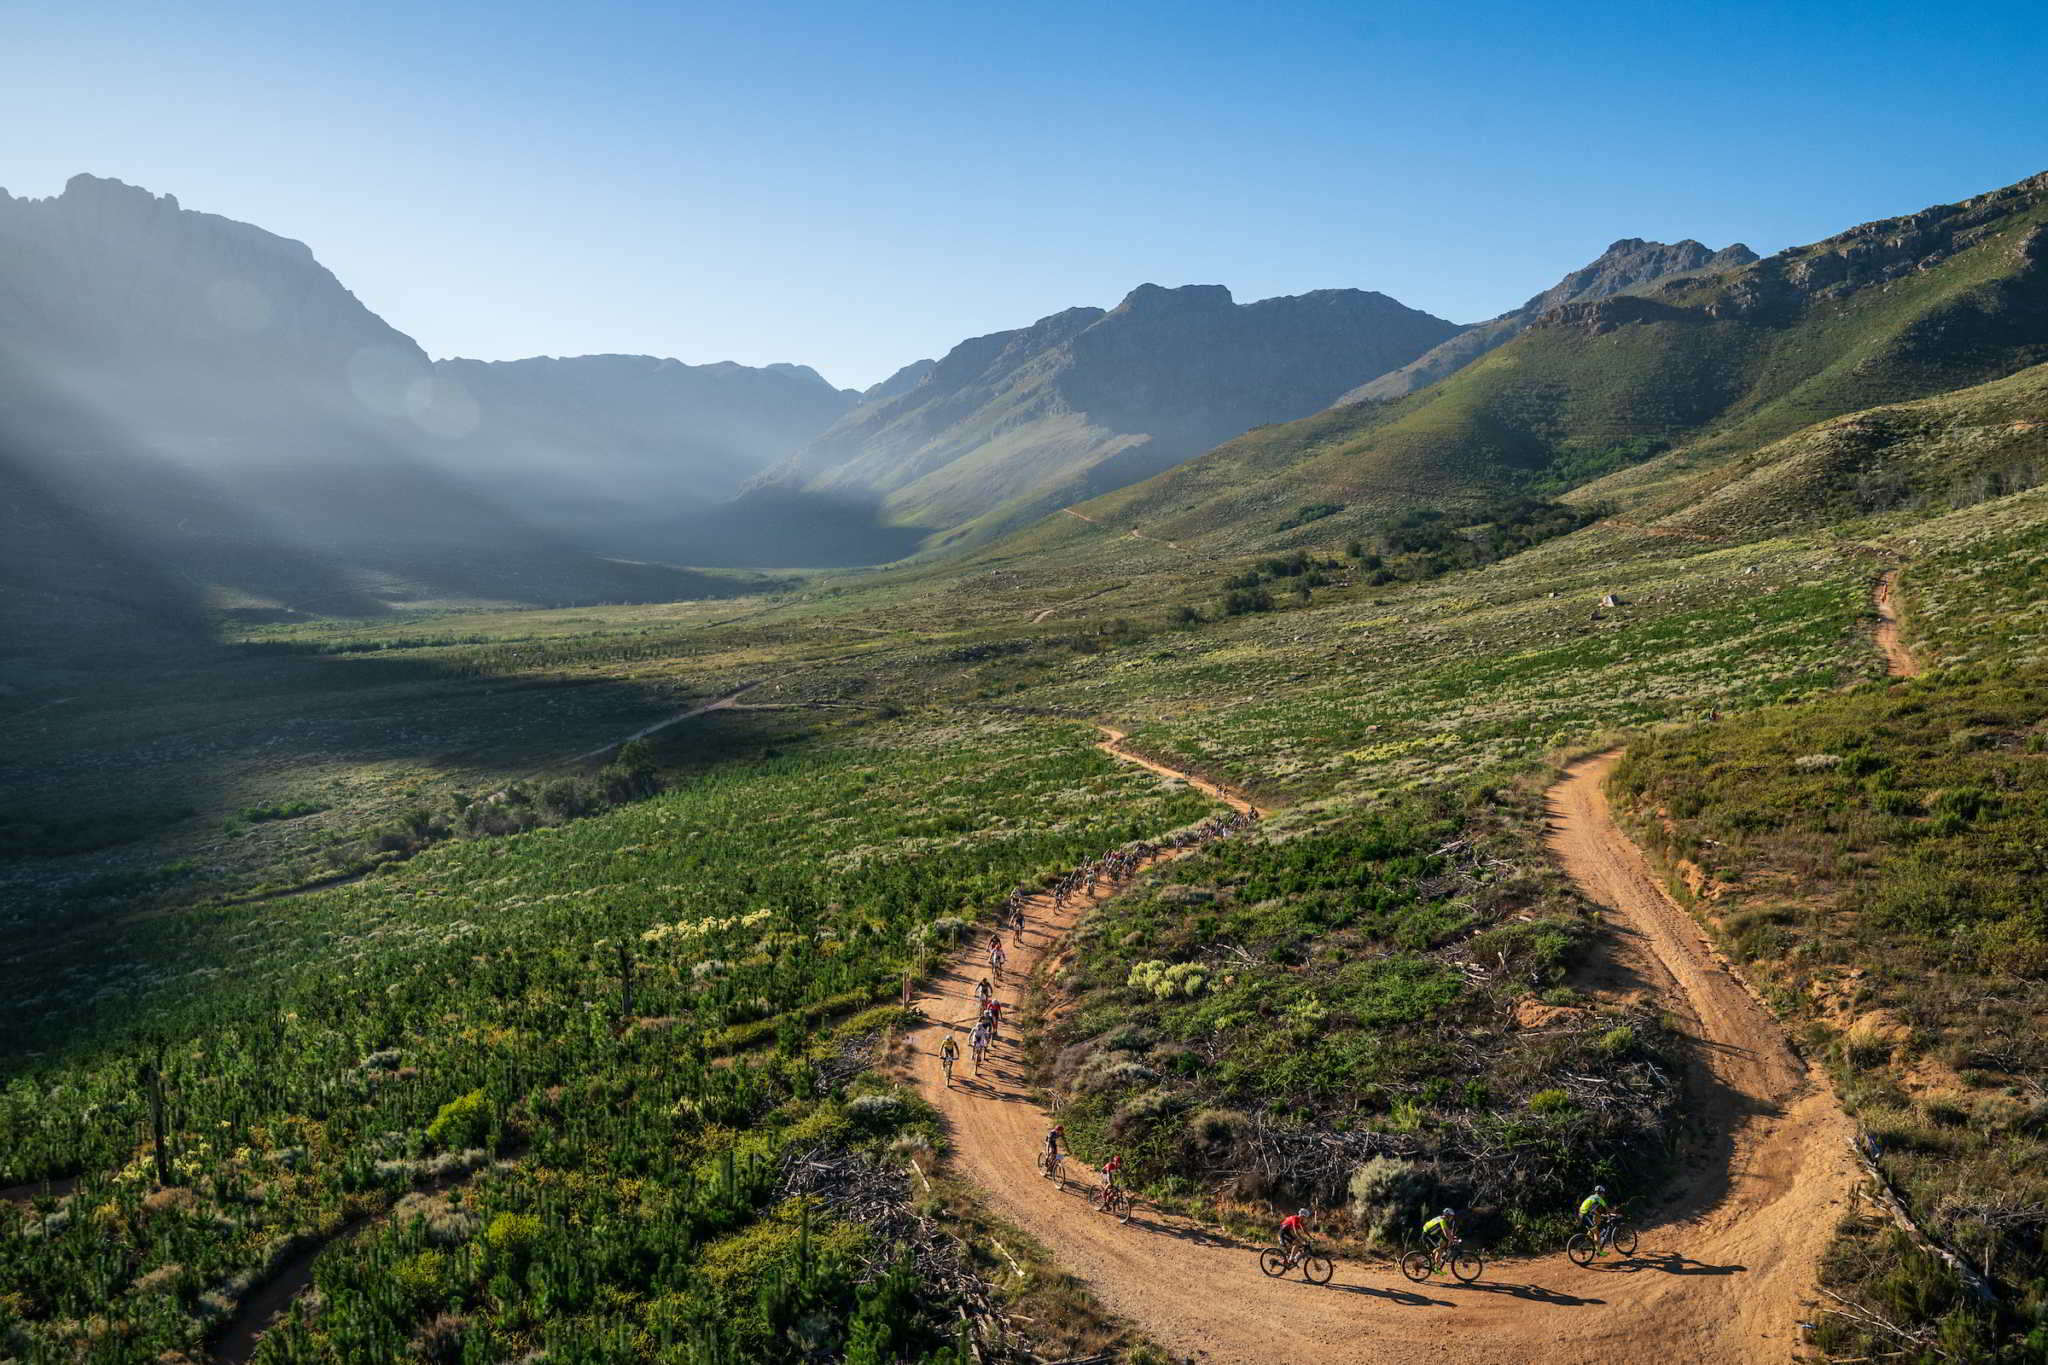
x,y
1368,1015
573,1078
1875,861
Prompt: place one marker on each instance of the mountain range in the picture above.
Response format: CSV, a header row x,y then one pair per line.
x,y
199,403
1647,397
207,396
1010,426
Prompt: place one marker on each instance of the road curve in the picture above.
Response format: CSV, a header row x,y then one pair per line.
x,y
1721,1278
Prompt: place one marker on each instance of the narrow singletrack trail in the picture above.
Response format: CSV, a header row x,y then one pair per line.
x,y
1898,660
1721,1275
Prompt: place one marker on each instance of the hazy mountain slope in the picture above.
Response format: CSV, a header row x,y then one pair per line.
x,y
1009,426
214,400
1714,365
1626,265
613,448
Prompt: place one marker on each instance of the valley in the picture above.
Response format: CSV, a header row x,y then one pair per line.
x,y
1644,719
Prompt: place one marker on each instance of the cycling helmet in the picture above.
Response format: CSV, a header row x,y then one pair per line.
x,y
1599,1189
1447,1213
1301,1213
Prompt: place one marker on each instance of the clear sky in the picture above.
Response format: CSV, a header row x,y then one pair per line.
x,y
853,186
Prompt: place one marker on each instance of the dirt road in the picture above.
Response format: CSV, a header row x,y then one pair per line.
x,y
1898,660
1720,1276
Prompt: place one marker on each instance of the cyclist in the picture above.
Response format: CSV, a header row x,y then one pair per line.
x,y
949,1053
1055,1142
978,1041
1294,1234
992,1015
995,953
1110,1170
1443,1229
982,991
1593,1211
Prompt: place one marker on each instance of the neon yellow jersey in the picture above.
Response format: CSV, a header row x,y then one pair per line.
x,y
1437,1226
1592,1202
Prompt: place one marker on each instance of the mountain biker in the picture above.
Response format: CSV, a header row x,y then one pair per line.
x,y
982,991
1593,1211
978,1040
1110,1170
949,1053
1055,1141
1443,1227
1294,1231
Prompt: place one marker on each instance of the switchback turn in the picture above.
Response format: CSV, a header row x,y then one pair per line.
x,y
1721,1276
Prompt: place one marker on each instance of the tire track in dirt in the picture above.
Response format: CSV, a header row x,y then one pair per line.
x,y
1722,1277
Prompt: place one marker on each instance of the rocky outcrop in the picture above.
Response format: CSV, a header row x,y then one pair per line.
x,y
1628,264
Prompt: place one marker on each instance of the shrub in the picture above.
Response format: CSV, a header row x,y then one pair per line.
x,y
1387,1195
1551,1102
513,1233
1182,980
462,1122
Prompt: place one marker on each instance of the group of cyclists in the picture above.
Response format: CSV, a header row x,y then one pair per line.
x,y
1116,866
1598,1218
1120,864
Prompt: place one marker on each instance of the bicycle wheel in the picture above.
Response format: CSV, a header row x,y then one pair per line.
x,y
1273,1261
1467,1266
1418,1266
1317,1268
1624,1239
1120,1205
1580,1248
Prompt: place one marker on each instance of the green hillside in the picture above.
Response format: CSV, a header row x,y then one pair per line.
x,y
1690,373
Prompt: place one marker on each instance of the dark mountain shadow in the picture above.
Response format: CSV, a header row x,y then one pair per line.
x,y
777,527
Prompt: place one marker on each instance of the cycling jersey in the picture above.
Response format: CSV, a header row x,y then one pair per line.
x,y
1291,1227
1591,1204
1438,1226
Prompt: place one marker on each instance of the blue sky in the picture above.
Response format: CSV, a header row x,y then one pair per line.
x,y
854,187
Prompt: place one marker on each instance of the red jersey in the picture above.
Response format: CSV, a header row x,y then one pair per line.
x,y
1292,1223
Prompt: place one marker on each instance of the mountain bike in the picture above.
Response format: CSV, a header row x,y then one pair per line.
x,y
1584,1248
946,1060
1049,1165
1114,1199
1464,1264
1316,1268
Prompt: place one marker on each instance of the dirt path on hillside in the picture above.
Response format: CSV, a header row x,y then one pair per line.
x,y
1133,535
1898,660
1073,601
1720,1277
703,708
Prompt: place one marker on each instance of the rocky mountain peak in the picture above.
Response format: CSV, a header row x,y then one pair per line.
x,y
1158,300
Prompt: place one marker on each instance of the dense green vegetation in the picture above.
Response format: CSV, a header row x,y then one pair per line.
x,y
549,1008
1876,858
1379,1000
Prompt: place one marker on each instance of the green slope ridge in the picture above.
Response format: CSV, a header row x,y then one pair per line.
x,y
1705,366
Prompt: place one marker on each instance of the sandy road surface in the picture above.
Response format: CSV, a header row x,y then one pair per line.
x,y
1898,660
1720,1277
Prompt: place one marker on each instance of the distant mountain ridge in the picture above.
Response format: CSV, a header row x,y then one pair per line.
x,y
616,447
1626,265
208,397
1009,426
1633,395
